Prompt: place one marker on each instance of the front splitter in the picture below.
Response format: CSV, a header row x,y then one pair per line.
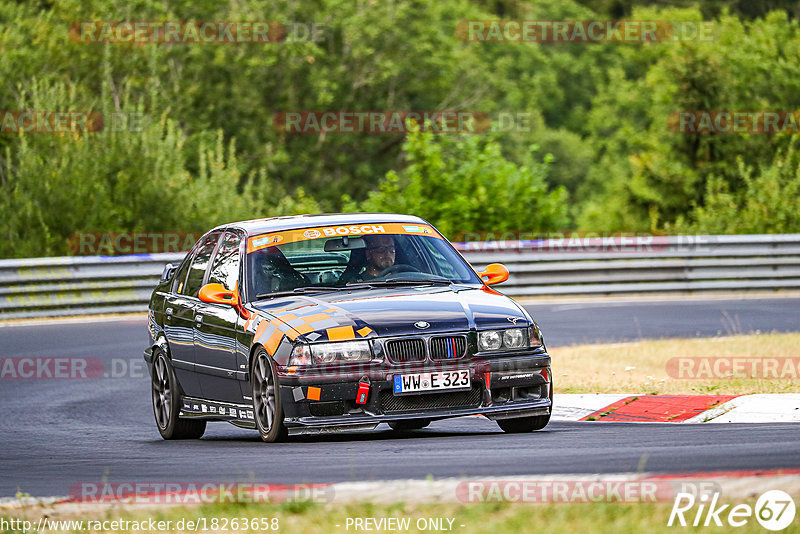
x,y
365,422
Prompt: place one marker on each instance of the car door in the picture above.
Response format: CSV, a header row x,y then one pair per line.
x,y
215,328
180,311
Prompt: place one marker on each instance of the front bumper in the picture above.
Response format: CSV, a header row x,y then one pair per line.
x,y
318,401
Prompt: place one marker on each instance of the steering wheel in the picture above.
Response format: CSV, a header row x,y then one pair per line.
x,y
400,267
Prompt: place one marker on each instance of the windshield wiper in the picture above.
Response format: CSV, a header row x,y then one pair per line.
x,y
299,291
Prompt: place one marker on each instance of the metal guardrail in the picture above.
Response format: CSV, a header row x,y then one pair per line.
x,y
659,264
77,285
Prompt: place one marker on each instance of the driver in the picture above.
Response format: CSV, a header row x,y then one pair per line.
x,y
380,255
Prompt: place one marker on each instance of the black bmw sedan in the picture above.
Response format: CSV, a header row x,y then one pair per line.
x,y
327,323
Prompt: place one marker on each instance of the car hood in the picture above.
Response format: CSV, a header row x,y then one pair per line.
x,y
394,311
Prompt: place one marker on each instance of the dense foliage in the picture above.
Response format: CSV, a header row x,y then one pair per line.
x,y
598,153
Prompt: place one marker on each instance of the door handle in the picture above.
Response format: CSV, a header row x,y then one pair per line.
x,y
169,312
198,319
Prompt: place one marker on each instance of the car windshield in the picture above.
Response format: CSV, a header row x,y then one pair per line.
x,y
297,263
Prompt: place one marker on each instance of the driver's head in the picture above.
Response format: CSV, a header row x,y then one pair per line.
x,y
379,252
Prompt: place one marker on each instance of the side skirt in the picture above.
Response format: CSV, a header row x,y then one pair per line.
x,y
237,414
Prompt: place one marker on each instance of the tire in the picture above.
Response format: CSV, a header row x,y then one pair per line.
x,y
527,424
267,408
411,424
167,402
524,424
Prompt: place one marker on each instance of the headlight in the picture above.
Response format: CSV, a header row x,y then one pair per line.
x,y
512,338
301,355
489,340
343,352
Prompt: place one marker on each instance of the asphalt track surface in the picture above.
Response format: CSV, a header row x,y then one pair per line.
x,y
59,433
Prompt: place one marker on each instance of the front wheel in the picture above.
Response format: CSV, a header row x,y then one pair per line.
x,y
410,424
527,424
167,402
524,424
267,399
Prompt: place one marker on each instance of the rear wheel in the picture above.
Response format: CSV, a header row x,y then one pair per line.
x,y
411,424
267,398
167,402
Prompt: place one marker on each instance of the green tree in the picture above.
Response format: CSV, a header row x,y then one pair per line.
x,y
52,186
464,184
646,176
768,203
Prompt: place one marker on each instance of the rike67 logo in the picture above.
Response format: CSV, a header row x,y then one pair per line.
x,y
774,510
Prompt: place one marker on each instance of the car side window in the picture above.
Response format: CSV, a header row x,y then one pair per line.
x,y
197,270
179,277
225,267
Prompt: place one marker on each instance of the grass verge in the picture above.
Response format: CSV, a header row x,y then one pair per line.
x,y
641,367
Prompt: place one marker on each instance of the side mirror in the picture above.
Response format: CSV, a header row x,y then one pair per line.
x,y
217,294
169,270
494,274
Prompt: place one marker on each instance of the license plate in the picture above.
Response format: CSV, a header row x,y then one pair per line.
x,y
433,381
